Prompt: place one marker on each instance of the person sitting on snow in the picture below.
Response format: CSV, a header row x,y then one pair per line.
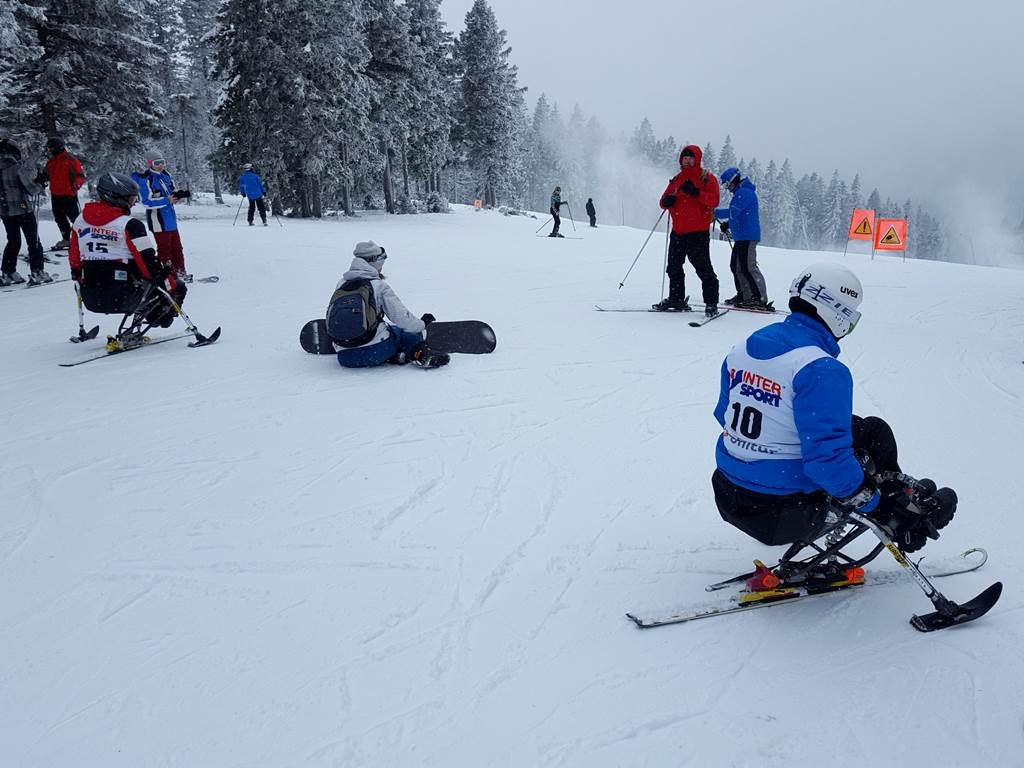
x,y
791,449
115,262
356,318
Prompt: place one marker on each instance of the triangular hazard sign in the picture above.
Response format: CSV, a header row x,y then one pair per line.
x,y
891,238
864,228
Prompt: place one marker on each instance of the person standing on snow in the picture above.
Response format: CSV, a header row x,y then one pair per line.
x,y
64,172
791,449
356,312
251,187
17,188
556,204
743,219
159,196
591,212
690,198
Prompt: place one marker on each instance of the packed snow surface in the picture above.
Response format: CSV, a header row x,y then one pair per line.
x,y
244,555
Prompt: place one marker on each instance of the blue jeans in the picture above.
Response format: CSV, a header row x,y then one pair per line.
x,y
383,351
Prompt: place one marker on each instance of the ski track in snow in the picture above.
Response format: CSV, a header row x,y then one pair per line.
x,y
244,555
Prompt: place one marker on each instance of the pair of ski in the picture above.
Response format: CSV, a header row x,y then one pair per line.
x,y
949,613
693,323
200,341
26,284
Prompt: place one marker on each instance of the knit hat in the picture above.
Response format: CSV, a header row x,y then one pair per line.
x,y
368,251
687,152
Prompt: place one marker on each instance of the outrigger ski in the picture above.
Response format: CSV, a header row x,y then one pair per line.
x,y
828,569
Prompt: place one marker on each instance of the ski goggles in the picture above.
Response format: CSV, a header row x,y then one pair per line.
x,y
155,163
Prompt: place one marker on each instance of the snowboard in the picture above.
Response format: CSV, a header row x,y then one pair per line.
x,y
467,337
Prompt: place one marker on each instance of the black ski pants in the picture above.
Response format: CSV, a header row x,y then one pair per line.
x,y
257,203
557,218
65,211
15,226
750,285
775,520
695,246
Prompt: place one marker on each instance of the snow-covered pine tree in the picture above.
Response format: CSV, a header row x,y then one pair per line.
x,y
490,104
572,161
727,157
853,197
593,146
875,202
93,82
768,196
753,171
196,137
833,221
787,206
710,159
643,143
429,142
18,45
542,158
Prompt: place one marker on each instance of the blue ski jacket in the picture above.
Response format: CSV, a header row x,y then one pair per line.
x,y
155,193
249,184
822,409
743,214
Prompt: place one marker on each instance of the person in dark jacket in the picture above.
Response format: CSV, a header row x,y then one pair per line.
x,y
556,204
65,175
250,186
591,212
690,198
17,190
743,219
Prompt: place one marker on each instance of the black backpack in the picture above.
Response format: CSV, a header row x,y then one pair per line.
x,y
352,313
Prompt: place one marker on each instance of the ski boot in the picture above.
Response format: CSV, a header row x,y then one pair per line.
x,y
39,277
735,300
671,305
710,310
61,245
756,304
184,276
425,357
125,341
12,278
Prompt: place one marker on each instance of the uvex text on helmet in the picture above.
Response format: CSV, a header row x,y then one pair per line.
x,y
834,292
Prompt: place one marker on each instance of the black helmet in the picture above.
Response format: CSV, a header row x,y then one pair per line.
x,y
117,189
55,143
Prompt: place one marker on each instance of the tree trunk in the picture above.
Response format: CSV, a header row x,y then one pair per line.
x,y
217,195
316,192
405,167
389,192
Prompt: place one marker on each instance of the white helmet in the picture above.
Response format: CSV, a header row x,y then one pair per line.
x,y
834,292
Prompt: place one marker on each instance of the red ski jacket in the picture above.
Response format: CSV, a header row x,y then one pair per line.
x,y
692,214
65,174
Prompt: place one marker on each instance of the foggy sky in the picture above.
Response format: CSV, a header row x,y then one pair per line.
x,y
923,99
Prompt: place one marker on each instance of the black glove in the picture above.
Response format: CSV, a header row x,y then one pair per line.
x,y
668,201
42,178
690,188
724,226
427,318
864,500
181,194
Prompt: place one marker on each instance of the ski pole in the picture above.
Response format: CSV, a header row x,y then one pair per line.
x,y
570,216
664,270
200,339
650,234
278,218
543,225
728,237
238,211
83,335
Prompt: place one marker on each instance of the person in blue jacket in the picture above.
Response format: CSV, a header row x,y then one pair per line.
x,y
791,449
743,219
157,193
250,186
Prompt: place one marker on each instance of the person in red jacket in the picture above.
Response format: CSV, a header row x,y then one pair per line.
x,y
65,175
115,262
690,198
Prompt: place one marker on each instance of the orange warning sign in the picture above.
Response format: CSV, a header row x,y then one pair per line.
x,y
891,235
862,224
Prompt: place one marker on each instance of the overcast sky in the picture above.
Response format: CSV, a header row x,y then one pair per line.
x,y
923,98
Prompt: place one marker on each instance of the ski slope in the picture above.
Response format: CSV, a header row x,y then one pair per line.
x,y
243,555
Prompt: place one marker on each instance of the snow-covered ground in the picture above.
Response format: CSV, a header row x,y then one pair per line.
x,y
243,555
